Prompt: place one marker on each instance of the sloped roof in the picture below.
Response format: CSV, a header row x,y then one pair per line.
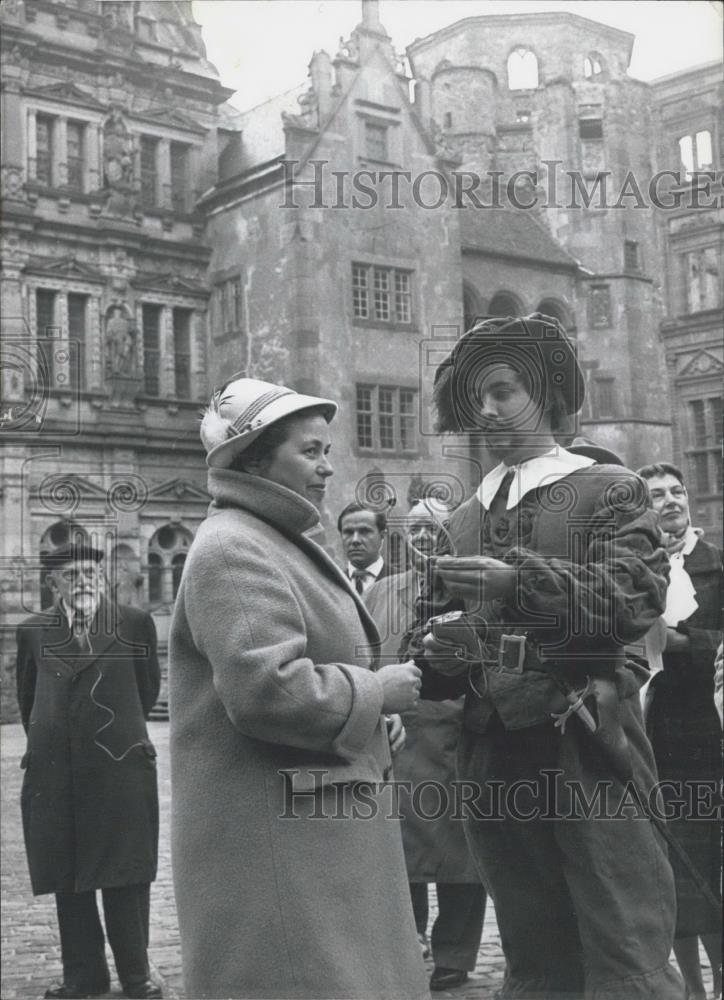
x,y
262,127
511,232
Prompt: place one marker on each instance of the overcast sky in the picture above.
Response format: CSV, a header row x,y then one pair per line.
x,y
263,47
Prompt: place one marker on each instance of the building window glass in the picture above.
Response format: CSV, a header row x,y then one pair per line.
x,y
702,279
522,70
45,325
182,352
149,171
605,405
376,142
386,418
44,150
167,552
151,319
390,300
704,451
600,307
695,152
447,119
229,303
590,128
180,189
360,304
631,257
77,321
75,136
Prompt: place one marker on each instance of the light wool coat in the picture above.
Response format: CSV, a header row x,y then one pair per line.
x,y
275,721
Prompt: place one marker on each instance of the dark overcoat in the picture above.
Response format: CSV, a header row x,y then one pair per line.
x,y
434,841
89,797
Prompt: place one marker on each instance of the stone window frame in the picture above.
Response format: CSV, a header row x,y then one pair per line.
x,y
703,453
90,366
198,347
61,115
375,290
393,417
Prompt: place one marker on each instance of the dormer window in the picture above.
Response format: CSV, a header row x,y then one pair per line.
x,y
376,142
522,70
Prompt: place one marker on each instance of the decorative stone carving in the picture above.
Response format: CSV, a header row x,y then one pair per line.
x,y
121,343
118,166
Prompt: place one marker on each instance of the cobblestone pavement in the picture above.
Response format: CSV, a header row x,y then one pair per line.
x,y
29,937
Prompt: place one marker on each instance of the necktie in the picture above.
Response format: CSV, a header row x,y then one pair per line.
x,y
499,502
358,576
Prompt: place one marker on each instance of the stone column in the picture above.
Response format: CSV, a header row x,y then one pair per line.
x,y
92,157
163,167
199,386
60,152
59,362
166,344
94,351
32,144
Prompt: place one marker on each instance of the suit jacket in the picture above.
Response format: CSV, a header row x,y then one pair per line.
x,y
89,798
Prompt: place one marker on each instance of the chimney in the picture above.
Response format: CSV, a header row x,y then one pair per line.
x,y
371,15
320,71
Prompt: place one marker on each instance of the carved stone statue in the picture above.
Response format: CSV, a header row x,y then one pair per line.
x,y
121,345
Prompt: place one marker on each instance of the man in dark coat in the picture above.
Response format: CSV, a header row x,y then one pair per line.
x,y
87,677
552,567
363,532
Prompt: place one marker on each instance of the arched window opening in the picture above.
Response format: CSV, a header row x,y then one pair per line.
x,y
504,304
177,568
522,70
592,65
555,309
166,556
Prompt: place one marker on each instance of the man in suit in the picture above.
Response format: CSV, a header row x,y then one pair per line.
x,y
87,678
363,532
435,849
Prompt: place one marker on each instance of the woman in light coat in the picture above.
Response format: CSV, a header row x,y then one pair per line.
x,y
289,873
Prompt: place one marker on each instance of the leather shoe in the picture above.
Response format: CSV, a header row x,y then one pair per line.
x,y
447,979
143,991
67,991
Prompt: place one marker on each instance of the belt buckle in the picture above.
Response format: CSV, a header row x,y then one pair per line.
x,y
511,653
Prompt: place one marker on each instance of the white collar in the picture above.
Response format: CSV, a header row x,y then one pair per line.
x,y
374,569
542,470
691,537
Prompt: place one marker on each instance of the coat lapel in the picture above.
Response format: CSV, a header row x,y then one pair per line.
x,y
58,641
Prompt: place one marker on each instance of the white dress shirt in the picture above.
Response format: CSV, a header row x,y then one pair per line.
x,y
370,572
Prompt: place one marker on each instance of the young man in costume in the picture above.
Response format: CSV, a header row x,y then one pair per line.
x,y
556,564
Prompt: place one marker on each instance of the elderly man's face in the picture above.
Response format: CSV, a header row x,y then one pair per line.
x,y
422,530
79,583
671,502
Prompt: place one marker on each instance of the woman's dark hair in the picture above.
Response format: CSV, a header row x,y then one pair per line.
x,y
269,440
661,469
453,386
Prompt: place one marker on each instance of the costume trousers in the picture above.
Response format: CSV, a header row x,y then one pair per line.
x,y
126,910
456,933
585,906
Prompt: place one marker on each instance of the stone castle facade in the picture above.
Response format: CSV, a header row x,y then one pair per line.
x,y
155,241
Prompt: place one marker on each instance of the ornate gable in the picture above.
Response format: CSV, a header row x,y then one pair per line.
x,y
63,267
169,283
178,489
69,93
170,116
703,363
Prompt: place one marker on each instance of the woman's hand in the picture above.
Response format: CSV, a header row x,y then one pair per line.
x,y
396,733
401,683
475,579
